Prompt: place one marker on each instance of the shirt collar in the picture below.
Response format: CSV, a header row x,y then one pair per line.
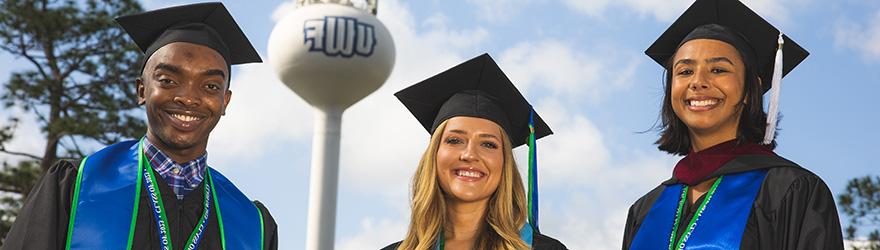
x,y
192,170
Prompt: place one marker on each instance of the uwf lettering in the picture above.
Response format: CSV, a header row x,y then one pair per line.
x,y
339,36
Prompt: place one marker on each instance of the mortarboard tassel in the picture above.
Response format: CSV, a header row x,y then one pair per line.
x,y
773,106
533,173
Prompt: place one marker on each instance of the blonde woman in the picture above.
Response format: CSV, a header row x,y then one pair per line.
x,y
467,190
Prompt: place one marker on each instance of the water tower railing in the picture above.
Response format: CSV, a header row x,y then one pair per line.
x,y
367,5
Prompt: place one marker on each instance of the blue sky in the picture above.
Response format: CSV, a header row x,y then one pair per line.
x,y
582,65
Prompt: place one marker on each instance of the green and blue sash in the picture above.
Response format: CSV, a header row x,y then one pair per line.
x,y
107,194
718,224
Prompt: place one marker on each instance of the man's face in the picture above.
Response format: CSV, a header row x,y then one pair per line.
x,y
184,90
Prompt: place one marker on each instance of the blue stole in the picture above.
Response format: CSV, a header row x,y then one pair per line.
x,y
721,224
527,234
107,193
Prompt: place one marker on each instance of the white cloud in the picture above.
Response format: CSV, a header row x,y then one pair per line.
x,y
593,8
667,10
377,229
552,64
283,9
579,227
778,12
436,29
374,234
576,149
588,209
660,9
262,113
568,71
585,190
498,10
862,37
663,10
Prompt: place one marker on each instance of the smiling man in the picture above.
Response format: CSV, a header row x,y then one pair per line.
x,y
157,192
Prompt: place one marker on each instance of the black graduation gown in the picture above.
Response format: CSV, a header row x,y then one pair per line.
x,y
539,242
793,209
42,221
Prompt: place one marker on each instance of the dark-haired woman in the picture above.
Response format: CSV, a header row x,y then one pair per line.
x,y
730,191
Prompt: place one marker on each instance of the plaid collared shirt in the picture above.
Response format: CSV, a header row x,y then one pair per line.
x,y
182,178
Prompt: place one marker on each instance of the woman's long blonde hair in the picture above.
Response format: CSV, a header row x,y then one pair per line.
x,y
505,215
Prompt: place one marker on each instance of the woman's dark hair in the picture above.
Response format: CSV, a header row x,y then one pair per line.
x,y
674,135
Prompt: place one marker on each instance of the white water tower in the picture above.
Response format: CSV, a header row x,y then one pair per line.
x,y
332,53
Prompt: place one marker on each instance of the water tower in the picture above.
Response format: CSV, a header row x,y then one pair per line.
x,y
332,53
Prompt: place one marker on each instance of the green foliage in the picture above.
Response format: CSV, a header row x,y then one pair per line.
x,y
84,67
15,180
861,203
79,85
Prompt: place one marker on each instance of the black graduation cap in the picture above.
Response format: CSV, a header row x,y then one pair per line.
x,y
208,24
732,22
475,88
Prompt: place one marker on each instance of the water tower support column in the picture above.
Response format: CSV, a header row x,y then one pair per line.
x,y
324,177
330,78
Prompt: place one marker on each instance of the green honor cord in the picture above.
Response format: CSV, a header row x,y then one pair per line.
x,y
76,186
693,222
217,211
262,227
197,232
137,195
159,209
441,242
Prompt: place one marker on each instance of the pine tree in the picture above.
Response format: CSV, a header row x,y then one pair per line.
x,y
79,86
861,203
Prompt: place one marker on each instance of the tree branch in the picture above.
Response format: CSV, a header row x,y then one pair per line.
x,y
81,90
24,53
40,116
10,190
76,148
81,55
34,157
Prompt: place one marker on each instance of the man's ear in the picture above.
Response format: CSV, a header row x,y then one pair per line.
x,y
141,91
226,100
